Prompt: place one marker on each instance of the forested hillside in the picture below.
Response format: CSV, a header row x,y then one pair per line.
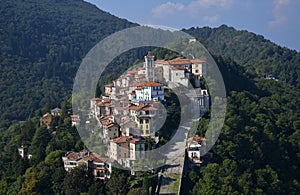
x,y
258,149
41,46
258,55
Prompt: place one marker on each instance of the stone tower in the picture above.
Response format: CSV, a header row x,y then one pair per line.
x,y
149,66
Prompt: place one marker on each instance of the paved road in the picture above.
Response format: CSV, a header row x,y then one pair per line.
x,y
175,156
174,163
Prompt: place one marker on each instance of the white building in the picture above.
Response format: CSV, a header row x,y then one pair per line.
x,y
194,68
75,120
150,91
194,145
23,152
199,68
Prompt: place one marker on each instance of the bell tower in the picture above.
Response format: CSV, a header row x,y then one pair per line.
x,y
149,66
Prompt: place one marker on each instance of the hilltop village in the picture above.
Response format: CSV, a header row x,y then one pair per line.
x,y
130,112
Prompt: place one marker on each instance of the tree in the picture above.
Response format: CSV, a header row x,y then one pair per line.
x,y
39,144
97,187
118,183
76,181
30,185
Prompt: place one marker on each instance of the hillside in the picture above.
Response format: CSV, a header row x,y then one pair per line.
x,y
258,55
41,46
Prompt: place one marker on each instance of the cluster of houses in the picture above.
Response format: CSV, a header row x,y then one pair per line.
x,y
129,112
47,118
99,166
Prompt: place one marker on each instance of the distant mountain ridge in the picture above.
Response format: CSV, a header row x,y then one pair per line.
x,y
258,55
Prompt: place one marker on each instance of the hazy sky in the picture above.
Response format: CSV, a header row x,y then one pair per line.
x,y
277,20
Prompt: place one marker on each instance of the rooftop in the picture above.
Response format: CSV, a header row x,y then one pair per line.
x,y
125,139
196,139
86,155
151,84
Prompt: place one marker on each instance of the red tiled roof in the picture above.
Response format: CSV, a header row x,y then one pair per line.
x,y
178,61
151,84
197,139
86,155
110,124
102,119
134,107
198,61
73,155
106,104
125,139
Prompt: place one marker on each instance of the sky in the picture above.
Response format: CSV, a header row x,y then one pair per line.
x,y
276,20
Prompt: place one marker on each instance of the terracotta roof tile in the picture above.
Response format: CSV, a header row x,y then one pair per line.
x,y
125,139
151,84
179,61
198,61
197,139
88,156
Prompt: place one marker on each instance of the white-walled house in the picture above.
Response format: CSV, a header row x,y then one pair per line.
x,y
150,91
194,145
75,119
199,68
23,152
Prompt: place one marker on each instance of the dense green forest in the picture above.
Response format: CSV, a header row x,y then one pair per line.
x,y
41,46
258,55
258,151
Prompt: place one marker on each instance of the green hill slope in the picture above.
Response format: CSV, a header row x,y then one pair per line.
x,y
258,55
41,46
